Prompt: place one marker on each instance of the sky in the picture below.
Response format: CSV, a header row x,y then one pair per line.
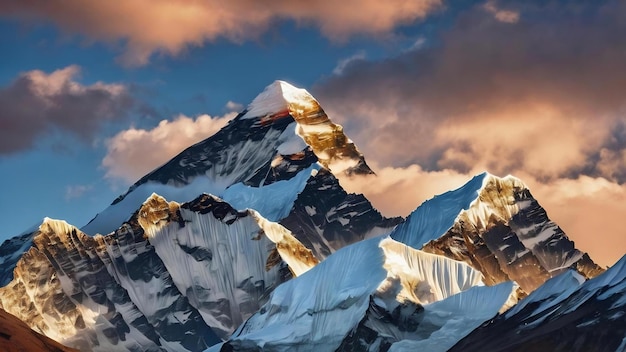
x,y
94,94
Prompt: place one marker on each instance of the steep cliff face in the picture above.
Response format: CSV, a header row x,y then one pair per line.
x,y
174,277
226,267
506,234
325,217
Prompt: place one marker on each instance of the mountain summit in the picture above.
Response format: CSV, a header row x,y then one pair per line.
x,y
247,241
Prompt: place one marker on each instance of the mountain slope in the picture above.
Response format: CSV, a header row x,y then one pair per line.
x,y
565,314
284,136
495,225
464,225
381,292
10,252
172,277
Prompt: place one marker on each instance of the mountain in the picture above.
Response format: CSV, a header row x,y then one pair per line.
x,y
181,274
174,276
247,241
282,147
16,336
496,226
410,309
567,313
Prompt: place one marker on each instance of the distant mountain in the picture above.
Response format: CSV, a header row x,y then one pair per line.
x,y
247,241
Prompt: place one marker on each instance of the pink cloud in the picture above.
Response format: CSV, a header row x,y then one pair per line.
x,y
169,26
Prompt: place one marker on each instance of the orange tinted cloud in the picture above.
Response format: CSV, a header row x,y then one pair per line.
x,y
148,26
501,96
507,16
540,94
397,191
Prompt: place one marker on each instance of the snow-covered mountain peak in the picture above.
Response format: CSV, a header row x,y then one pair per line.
x,y
334,150
54,225
497,226
277,98
495,202
284,134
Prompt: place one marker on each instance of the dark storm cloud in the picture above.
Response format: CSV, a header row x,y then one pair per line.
x,y
37,102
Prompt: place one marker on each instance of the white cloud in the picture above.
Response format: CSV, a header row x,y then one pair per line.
x,y
134,152
343,63
233,106
76,191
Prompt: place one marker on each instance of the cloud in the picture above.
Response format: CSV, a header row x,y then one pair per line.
x,y
233,106
396,191
543,96
169,26
37,102
506,16
132,153
76,191
342,64
544,100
